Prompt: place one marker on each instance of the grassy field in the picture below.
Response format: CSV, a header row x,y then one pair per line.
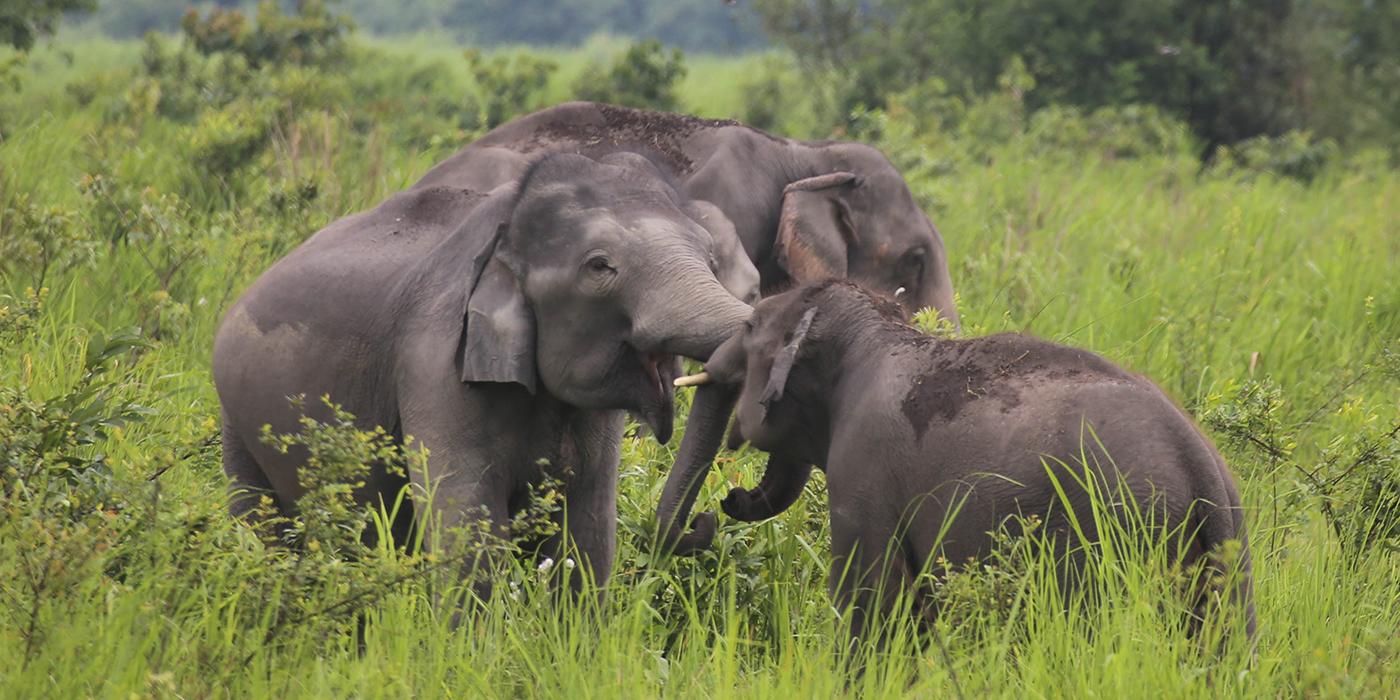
x,y
1269,307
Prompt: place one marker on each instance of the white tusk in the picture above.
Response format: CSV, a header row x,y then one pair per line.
x,y
898,292
693,379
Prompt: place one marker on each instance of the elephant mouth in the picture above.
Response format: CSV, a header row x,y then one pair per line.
x,y
659,370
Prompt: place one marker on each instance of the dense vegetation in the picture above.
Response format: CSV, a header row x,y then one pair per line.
x,y
143,185
712,25
1231,70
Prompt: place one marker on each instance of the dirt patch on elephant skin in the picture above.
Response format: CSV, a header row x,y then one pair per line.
x,y
433,205
996,368
663,133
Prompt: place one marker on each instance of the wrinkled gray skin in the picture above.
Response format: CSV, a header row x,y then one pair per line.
x,y
804,210
506,332
917,434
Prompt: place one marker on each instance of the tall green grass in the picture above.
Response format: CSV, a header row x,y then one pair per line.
x,y
1208,284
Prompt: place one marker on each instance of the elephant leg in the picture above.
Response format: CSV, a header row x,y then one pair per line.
x,y
461,501
588,537
248,485
870,576
465,517
474,437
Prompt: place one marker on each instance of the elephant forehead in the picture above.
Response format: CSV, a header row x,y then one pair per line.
x,y
651,225
636,228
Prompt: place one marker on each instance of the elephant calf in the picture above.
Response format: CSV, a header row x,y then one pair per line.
x,y
929,445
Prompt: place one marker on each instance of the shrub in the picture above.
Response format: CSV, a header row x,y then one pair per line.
x,y
644,76
1355,478
43,240
22,23
310,36
509,85
48,467
1295,154
226,140
1127,131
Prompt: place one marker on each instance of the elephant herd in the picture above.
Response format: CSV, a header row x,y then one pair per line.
x,y
508,310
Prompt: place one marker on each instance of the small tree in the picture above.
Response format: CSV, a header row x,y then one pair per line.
x,y
645,76
22,22
509,85
1229,69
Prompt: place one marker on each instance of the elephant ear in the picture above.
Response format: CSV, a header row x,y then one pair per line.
x,y
495,326
498,342
814,228
782,364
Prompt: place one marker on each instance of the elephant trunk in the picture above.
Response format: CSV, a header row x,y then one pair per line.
x,y
708,416
695,327
781,486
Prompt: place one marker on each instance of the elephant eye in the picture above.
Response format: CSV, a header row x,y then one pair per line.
x,y
600,264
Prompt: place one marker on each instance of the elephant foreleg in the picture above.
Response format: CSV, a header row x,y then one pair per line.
x,y
871,583
587,542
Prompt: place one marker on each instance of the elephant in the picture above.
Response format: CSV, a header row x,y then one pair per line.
x,y
506,331
804,210
930,445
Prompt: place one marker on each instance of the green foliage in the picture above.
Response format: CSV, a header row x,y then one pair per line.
x,y
339,457
22,22
644,76
228,139
1264,303
310,36
1231,71
51,459
38,240
1294,154
509,85
767,97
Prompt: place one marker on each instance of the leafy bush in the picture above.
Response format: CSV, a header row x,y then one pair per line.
x,y
1127,131
644,76
310,36
1295,154
22,23
509,85
1228,70
228,139
48,465
1355,478
40,240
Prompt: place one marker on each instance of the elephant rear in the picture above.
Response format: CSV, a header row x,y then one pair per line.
x,y
1062,432
1146,443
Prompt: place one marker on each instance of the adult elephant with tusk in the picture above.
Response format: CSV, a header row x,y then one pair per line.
x,y
506,332
804,210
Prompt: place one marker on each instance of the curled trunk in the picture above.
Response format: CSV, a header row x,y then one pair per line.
x,y
782,484
703,435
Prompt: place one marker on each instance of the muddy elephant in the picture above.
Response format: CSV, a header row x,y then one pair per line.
x,y
930,445
804,210
507,331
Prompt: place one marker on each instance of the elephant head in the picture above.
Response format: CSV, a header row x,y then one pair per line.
x,y
771,375
598,279
857,219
